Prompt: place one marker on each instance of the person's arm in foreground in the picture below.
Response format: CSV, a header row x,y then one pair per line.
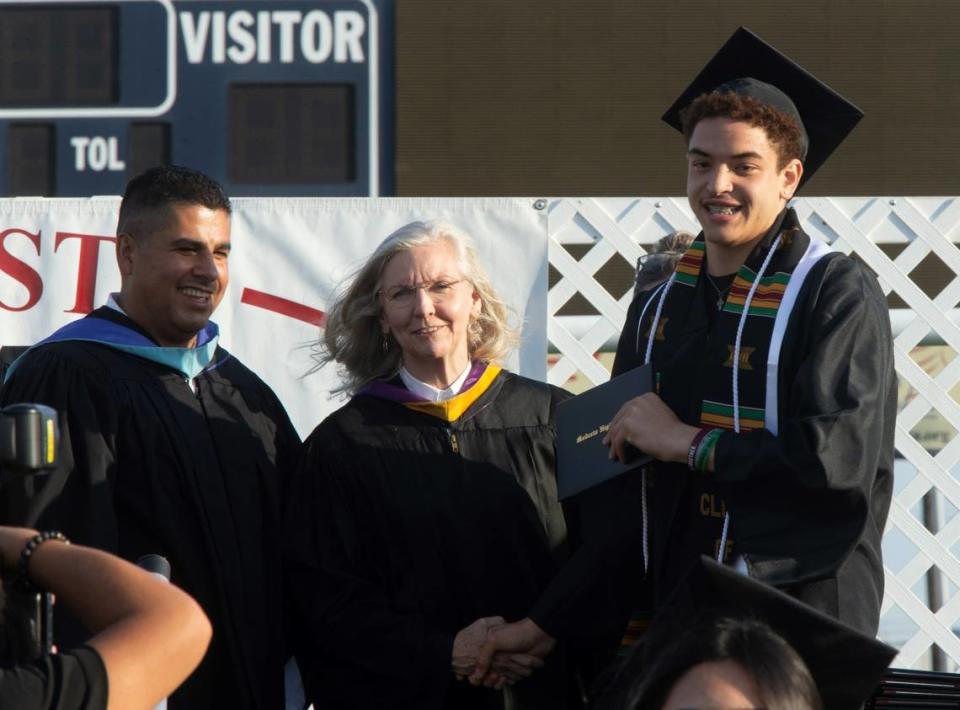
x,y
149,634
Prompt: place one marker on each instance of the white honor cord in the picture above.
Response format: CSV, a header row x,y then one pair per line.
x,y
723,537
643,511
736,375
644,313
665,288
656,317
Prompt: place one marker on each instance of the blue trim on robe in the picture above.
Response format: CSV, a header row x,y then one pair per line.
x,y
190,362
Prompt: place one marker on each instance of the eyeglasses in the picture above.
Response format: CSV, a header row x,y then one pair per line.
x,y
659,262
660,256
403,296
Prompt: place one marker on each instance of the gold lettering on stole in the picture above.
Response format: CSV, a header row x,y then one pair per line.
x,y
745,353
712,506
660,326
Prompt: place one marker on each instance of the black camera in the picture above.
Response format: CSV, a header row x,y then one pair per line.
x,y
29,444
29,438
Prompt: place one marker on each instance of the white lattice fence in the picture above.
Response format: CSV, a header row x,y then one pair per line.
x,y
922,232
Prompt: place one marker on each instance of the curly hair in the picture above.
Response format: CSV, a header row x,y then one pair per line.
x,y
782,130
353,336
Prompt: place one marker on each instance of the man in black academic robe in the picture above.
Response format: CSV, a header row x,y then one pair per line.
x,y
772,427
171,446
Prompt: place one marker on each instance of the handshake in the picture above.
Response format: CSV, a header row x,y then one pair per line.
x,y
492,653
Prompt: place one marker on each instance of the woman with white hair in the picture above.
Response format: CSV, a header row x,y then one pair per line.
x,y
424,511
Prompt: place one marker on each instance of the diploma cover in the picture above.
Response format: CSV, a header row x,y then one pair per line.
x,y
582,421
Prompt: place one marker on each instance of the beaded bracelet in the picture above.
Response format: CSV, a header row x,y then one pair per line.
x,y
692,452
32,544
706,447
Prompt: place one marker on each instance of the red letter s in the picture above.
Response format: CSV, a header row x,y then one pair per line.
x,y
20,271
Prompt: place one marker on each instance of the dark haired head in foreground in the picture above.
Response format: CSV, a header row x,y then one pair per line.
x,y
726,662
750,645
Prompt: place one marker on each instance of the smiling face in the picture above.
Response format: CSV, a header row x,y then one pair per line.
x,y
426,305
174,278
736,187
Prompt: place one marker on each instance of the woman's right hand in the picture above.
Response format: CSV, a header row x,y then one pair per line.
x,y
467,644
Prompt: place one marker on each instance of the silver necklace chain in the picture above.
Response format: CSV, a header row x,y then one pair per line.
x,y
721,294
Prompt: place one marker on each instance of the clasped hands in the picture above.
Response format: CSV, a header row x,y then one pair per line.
x,y
493,653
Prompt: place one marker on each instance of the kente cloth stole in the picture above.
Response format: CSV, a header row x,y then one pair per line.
x,y
717,406
637,626
682,297
760,342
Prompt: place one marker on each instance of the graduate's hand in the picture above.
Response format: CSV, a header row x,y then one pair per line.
x,y
512,667
648,424
467,643
523,637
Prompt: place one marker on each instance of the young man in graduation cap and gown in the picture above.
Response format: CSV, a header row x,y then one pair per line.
x,y
772,432
171,446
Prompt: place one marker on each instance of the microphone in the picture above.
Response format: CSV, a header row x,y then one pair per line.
x,y
158,566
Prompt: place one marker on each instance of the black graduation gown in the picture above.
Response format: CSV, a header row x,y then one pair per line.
x,y
808,506
151,467
403,529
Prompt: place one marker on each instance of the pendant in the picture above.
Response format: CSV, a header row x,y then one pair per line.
x,y
720,302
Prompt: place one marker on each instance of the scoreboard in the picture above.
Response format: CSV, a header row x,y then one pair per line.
x,y
271,97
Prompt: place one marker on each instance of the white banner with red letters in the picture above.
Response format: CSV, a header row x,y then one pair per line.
x,y
289,256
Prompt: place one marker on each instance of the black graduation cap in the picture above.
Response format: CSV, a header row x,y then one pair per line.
x,y
749,66
846,665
